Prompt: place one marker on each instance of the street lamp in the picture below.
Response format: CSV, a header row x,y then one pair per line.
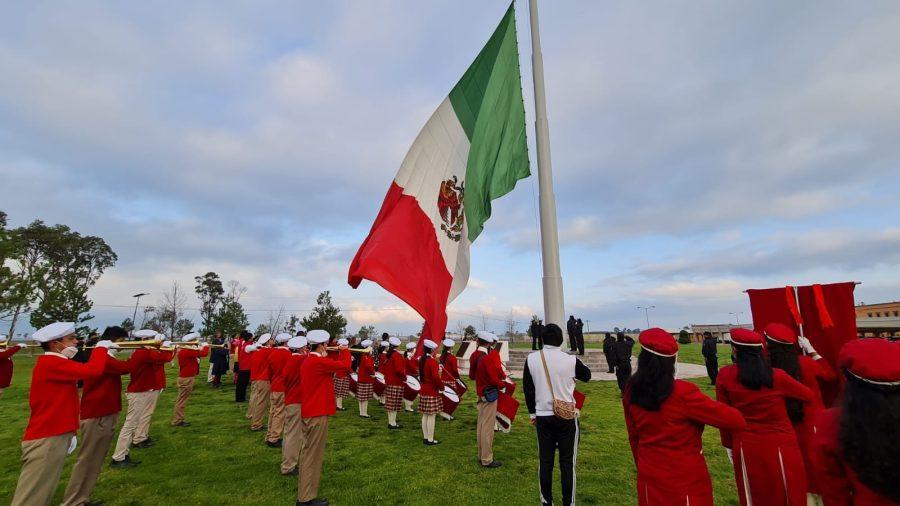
x,y
137,299
737,317
647,313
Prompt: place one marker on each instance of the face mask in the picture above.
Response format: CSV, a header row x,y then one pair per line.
x,y
69,351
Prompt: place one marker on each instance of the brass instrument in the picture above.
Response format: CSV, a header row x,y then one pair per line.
x,y
128,345
7,344
352,350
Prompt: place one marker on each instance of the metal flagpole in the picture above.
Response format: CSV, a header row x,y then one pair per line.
x,y
553,289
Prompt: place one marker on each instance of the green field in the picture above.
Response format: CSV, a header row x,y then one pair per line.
x,y
687,353
218,460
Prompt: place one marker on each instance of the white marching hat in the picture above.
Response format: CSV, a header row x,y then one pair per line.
x,y
317,336
366,343
297,342
343,342
263,339
410,346
190,336
283,338
385,343
301,328
145,333
449,342
428,343
487,336
394,341
54,331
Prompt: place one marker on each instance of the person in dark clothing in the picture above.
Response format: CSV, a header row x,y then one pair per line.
x,y
579,336
536,328
570,330
624,344
218,357
243,374
711,357
609,351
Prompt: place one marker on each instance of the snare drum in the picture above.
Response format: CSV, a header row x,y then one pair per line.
x,y
411,388
450,401
507,407
378,386
353,378
460,387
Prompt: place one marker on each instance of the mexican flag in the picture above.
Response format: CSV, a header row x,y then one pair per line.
x,y
471,151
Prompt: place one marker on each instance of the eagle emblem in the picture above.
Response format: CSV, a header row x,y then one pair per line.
x,y
450,207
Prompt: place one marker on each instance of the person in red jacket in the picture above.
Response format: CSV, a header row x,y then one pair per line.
x,y
101,402
188,368
53,399
665,419
293,435
856,450
784,352
341,380
317,399
382,363
365,378
768,466
430,395
260,388
489,380
141,394
449,370
278,357
412,369
6,364
394,380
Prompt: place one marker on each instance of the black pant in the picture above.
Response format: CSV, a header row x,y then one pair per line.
x,y
712,368
623,374
579,341
536,343
555,433
573,344
240,391
610,362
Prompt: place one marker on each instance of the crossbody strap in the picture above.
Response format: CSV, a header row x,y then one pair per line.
x,y
547,374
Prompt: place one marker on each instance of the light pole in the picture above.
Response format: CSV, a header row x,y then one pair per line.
x,y
647,313
137,299
737,317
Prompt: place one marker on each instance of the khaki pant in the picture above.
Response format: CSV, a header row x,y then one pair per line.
x,y
138,403
315,435
96,436
276,417
185,387
487,416
293,438
42,464
143,428
259,401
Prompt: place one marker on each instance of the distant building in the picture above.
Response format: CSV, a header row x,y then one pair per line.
x,y
721,331
882,310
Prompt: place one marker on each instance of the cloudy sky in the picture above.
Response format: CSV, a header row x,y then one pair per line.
x,y
699,148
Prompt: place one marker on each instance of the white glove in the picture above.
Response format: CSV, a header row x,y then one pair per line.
x,y
22,345
167,344
250,348
111,352
72,445
105,344
730,454
806,346
159,338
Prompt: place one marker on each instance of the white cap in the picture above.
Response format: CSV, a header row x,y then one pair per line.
x,y
282,338
54,331
394,341
429,344
487,336
190,336
297,342
449,342
410,346
301,328
385,343
366,343
160,336
343,342
317,336
145,333
263,339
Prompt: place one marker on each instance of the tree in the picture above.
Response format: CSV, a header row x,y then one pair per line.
x,y
366,332
230,319
127,325
684,337
210,291
326,316
291,325
470,333
168,316
616,330
18,288
261,329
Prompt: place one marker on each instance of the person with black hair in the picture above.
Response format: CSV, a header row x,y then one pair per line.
x,y
579,336
609,352
710,357
796,356
768,465
430,395
856,450
489,380
395,378
665,418
570,331
243,366
450,371
534,330
549,375
218,358
624,345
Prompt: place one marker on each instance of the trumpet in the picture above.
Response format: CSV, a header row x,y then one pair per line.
x,y
352,350
7,344
127,345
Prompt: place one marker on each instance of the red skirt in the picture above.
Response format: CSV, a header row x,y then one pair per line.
x,y
429,405
342,387
393,397
364,392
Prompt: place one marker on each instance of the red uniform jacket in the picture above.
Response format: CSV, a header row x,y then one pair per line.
x,y
102,396
489,372
259,364
838,484
278,357
473,361
189,361
291,375
450,371
412,366
812,372
159,370
395,371
245,360
6,365
431,382
54,393
382,362
317,395
767,451
366,369
146,365
671,438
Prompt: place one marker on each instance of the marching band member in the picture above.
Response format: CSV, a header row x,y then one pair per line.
x,y
341,382
394,379
101,402
6,364
53,399
382,361
489,379
665,419
449,369
278,357
768,466
412,369
242,362
293,436
430,395
142,433
317,399
856,450
784,352
365,377
188,368
141,394
259,380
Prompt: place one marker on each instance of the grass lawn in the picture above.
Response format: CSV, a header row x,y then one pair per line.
x,y
687,353
218,460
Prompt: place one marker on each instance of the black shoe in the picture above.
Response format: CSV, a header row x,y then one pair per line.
x,y
448,419
494,464
314,502
122,464
293,472
274,444
365,416
341,409
394,427
432,443
181,424
257,430
410,410
147,443
94,503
